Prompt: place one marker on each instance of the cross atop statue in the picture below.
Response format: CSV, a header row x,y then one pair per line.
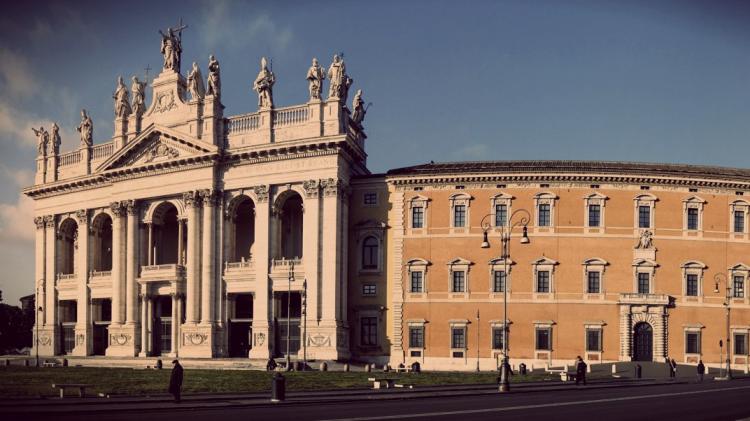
x,y
171,47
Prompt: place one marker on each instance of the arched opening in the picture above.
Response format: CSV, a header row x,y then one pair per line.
x,y
101,243
244,229
291,226
67,244
370,253
165,235
643,337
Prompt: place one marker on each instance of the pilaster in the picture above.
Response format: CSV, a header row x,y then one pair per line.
x,y
212,129
83,328
48,335
41,170
333,117
133,129
262,338
192,202
39,275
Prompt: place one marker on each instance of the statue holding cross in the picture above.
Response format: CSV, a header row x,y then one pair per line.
x,y
171,47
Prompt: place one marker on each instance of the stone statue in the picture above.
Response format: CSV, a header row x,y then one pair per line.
x,y
121,97
214,81
195,83
263,85
41,140
56,141
171,48
138,90
315,76
86,128
358,105
645,241
340,81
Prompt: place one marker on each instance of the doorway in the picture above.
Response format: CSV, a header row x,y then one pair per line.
x,y
643,338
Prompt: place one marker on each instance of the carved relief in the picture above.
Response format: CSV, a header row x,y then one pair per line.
x,y
165,102
195,338
117,208
119,339
191,198
39,222
49,221
80,339
312,188
319,340
162,151
260,339
262,193
645,241
210,197
45,340
131,206
82,216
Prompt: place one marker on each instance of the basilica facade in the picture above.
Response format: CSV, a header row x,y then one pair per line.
x,y
196,234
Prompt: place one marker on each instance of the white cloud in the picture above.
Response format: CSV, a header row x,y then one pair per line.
x,y
223,27
477,151
16,222
16,76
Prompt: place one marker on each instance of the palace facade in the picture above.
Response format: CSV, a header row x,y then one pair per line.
x,y
194,234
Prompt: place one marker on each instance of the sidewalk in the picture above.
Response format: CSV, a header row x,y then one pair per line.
x,y
202,401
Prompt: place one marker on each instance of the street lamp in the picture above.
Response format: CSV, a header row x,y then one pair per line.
x,y
39,310
506,230
718,278
288,314
304,324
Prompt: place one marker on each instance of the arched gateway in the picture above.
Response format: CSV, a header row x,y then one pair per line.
x,y
643,339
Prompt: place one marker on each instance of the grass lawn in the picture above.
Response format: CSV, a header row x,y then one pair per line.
x,y
33,381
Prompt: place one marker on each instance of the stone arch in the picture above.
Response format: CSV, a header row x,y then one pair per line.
x,y
289,224
164,219
156,208
67,243
241,227
101,242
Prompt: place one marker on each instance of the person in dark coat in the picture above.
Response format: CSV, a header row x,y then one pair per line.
x,y
580,371
701,370
175,381
673,366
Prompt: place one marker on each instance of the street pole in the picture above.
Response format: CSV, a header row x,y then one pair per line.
x,y
718,278
729,367
38,310
288,314
304,324
478,329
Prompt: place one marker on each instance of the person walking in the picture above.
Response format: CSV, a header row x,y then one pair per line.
x,y
673,365
580,371
701,370
175,381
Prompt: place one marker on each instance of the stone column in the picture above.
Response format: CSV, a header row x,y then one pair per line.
x,y
150,322
48,338
626,333
144,326
180,241
311,248
174,332
262,340
39,260
118,271
122,338
208,291
178,323
344,239
84,340
192,201
150,243
131,273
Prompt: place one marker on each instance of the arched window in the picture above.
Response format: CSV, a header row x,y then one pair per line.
x,y
370,253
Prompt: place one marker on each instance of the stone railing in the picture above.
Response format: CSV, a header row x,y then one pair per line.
x,y
291,116
102,151
160,267
238,265
284,264
635,298
100,273
70,158
243,123
170,271
66,276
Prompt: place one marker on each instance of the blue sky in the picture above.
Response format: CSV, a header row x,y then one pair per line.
x,y
595,80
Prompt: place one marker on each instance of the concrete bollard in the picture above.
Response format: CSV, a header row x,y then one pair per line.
x,y
278,388
346,367
323,366
26,363
614,369
65,362
386,368
368,368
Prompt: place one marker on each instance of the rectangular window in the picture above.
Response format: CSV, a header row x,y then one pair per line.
x,y
459,216
594,340
543,342
369,290
459,281
691,285
368,331
542,281
740,344
738,290
644,216
501,215
594,282
458,338
417,217
595,215
739,221
416,337
544,215
497,338
692,219
417,282
692,343
498,281
644,283
371,198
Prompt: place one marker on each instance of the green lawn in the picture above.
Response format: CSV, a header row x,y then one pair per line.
x,y
32,381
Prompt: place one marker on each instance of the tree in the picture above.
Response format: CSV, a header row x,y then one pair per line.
x,y
15,328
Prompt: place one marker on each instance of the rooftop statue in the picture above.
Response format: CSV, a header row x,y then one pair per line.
x,y
263,85
122,104
171,47
138,90
56,141
195,83
86,128
340,81
42,138
214,81
315,76
358,107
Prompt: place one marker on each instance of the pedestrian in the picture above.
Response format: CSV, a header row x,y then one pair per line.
x,y
701,371
580,371
673,365
271,365
175,381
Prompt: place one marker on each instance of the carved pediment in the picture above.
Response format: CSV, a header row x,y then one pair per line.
x,y
156,145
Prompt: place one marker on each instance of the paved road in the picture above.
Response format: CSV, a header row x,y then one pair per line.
x,y
707,401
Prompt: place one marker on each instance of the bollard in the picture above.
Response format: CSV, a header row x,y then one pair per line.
x,y
26,363
7,362
158,364
614,369
297,366
65,362
386,368
346,367
324,366
522,369
368,368
637,371
278,387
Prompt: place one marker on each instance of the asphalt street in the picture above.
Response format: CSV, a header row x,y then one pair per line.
x,y
706,401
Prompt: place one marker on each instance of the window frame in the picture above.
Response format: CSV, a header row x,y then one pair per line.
x,y
370,194
742,207
459,265
537,331
367,287
417,265
454,325
693,269
544,264
544,198
501,199
692,331
647,266
594,199
370,331
646,200
463,200
598,265
694,204
418,201
367,253
600,342
744,342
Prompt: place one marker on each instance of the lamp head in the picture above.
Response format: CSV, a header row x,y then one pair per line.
x,y
716,288
485,241
525,236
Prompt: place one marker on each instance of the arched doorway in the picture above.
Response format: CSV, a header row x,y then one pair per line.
x,y
67,244
290,226
643,338
243,234
101,231
164,247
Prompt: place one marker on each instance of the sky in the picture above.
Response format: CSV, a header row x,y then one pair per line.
x,y
657,80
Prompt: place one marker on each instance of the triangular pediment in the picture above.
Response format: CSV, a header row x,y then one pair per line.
x,y
157,145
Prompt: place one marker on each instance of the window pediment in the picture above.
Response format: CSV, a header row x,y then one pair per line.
x,y
645,263
544,261
595,261
694,199
418,262
419,200
645,199
459,262
460,199
693,264
739,267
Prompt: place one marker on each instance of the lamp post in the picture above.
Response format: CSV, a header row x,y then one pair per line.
x,y
478,340
718,278
39,309
288,313
505,233
304,324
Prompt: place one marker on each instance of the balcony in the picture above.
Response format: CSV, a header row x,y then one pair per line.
x,y
239,271
280,269
650,299
166,272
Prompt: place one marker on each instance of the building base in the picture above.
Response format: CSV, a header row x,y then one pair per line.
x,y
84,344
47,341
327,343
197,341
122,341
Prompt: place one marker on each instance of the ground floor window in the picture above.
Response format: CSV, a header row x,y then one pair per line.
x,y
458,338
368,331
543,339
416,337
692,342
497,338
593,340
740,344
69,337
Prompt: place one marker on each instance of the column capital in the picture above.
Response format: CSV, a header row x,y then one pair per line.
x,y
333,187
131,206
312,188
210,197
192,199
82,215
49,221
39,222
117,208
261,192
